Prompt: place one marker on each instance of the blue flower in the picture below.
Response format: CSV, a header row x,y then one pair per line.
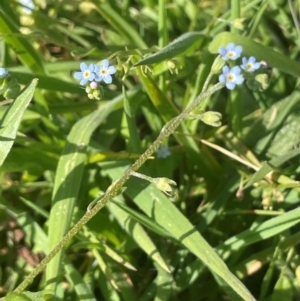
x,y
3,72
163,152
231,52
231,77
104,71
250,65
86,74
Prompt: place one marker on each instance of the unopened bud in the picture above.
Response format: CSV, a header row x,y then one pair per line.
x,y
211,118
217,64
94,85
164,185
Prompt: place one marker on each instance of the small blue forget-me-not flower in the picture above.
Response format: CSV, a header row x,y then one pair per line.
x,y
3,72
231,77
104,71
86,74
230,52
163,152
250,64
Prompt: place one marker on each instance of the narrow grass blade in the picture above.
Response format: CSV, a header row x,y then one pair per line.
x,y
262,231
68,180
49,83
138,233
271,165
27,296
180,46
119,24
83,291
10,122
156,205
20,44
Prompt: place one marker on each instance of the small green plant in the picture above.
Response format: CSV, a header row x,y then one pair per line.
x,y
137,172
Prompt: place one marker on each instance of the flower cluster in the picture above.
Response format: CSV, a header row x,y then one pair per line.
x,y
233,76
95,72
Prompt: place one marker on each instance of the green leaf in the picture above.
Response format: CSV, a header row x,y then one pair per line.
x,y
83,290
19,43
17,297
261,231
156,205
10,122
179,46
67,182
271,165
259,51
137,232
49,83
120,24
29,296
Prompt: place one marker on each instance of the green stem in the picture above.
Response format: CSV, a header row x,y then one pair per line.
x,y
235,103
235,14
134,139
163,38
116,186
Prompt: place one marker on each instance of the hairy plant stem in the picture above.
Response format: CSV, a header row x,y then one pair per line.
x,y
116,186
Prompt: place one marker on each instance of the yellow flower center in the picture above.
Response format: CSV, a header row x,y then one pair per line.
x,y
86,74
103,71
249,66
230,54
230,77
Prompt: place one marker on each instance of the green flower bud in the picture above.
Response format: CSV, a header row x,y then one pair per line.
x,y
88,89
96,94
217,64
211,118
164,185
263,79
172,66
258,83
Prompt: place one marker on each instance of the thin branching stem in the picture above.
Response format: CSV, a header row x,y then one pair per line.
x,y
116,186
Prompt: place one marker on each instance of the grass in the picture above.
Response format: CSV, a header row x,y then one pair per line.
x,y
229,229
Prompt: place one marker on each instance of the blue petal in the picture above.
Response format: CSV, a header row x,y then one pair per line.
x,y
230,85
239,80
236,70
112,70
256,65
3,72
78,75
238,49
107,79
91,67
98,78
91,77
252,59
225,70
105,63
222,78
83,66
222,51
230,46
83,81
